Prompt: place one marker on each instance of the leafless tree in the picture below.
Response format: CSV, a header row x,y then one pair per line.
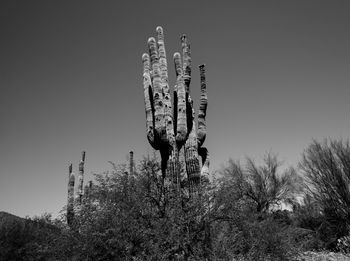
x,y
265,185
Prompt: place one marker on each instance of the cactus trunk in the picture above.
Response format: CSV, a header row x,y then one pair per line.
x,y
131,163
79,194
70,203
75,201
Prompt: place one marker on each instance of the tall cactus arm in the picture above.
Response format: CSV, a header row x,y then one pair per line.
x,y
202,127
71,183
191,146
70,203
83,156
157,92
168,111
81,178
180,93
131,163
186,68
162,59
70,170
149,107
186,54
191,151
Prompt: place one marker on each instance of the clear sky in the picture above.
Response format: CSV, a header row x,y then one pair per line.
x,y
278,75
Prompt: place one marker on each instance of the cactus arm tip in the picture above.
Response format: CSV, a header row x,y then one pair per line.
x,y
178,64
160,33
177,55
83,156
151,40
145,56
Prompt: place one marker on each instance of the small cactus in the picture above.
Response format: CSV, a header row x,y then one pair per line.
x,y
70,204
131,163
172,129
79,194
73,204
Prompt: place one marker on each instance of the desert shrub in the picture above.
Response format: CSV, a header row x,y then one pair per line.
x,y
139,217
255,238
326,167
308,218
27,239
270,240
246,224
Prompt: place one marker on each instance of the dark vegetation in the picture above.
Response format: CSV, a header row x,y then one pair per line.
x,y
249,212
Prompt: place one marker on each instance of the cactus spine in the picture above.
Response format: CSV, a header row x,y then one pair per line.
x,y
172,130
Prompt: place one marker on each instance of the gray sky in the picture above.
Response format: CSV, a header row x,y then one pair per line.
x,y
71,80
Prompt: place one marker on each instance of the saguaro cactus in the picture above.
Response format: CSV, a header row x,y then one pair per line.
x,y
172,129
73,204
79,194
70,204
131,163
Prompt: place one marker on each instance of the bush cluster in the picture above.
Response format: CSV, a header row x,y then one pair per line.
x,y
250,212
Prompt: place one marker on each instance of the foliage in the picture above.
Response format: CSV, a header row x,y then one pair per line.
x,y
143,216
326,167
247,222
140,217
26,239
307,217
